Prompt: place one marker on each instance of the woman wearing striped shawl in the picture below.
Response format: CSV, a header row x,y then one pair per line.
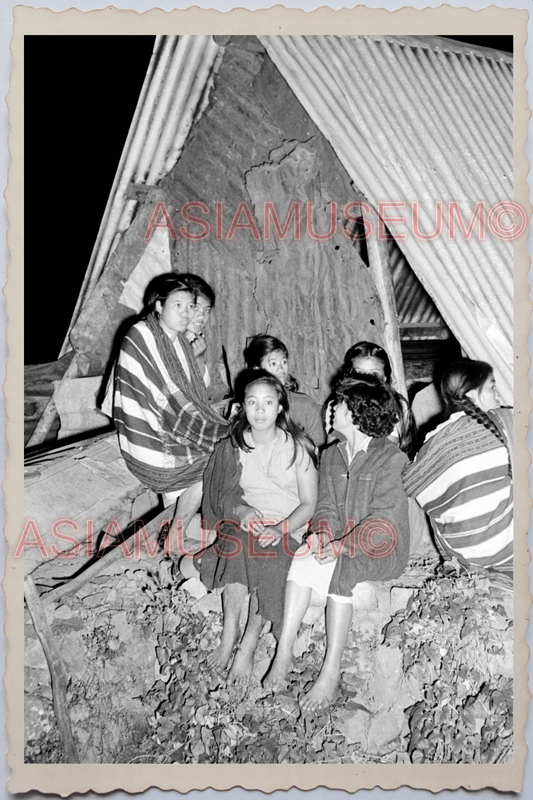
x,y
166,428
462,476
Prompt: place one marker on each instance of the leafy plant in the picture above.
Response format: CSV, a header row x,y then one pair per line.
x,y
449,632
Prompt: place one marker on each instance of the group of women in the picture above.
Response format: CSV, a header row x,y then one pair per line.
x,y
302,501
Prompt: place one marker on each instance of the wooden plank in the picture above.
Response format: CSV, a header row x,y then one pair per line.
x,y
378,256
57,669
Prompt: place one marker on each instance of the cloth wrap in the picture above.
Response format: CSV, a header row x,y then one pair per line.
x,y
167,430
461,479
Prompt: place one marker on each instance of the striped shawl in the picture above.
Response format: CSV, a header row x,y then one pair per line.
x,y
166,428
461,480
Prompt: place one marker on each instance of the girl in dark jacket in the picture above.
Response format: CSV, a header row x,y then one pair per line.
x,y
360,530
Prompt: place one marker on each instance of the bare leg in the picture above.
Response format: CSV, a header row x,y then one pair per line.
x,y
296,604
243,663
326,688
233,598
186,507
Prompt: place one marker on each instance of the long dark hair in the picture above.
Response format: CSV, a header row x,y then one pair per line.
x,y
367,350
240,424
262,345
460,378
161,287
199,286
370,401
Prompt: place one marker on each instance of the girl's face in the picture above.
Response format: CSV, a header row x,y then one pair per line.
x,y
277,364
176,312
261,406
202,309
486,396
369,365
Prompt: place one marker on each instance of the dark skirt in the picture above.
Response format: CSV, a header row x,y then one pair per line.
x,y
236,557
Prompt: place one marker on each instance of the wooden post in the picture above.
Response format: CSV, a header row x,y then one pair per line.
x,y
378,257
57,669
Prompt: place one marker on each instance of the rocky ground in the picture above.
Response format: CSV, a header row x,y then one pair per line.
x,y
134,643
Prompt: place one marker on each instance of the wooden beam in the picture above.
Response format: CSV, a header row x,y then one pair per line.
x,y
57,669
378,257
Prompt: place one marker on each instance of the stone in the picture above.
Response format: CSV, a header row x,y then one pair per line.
x,y
209,602
389,660
194,587
354,725
399,598
121,627
63,612
364,596
385,727
34,655
312,614
72,648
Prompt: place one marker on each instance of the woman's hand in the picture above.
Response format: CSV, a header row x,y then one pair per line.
x,y
250,519
326,554
199,345
321,546
271,534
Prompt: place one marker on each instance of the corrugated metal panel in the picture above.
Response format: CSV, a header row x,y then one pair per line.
x,y
413,303
418,119
173,96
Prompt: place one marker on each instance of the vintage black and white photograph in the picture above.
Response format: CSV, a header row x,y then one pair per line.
x,y
268,399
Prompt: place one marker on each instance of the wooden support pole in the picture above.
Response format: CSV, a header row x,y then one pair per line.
x,y
57,669
378,257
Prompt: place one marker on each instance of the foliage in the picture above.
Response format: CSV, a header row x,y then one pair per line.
x,y
449,633
201,719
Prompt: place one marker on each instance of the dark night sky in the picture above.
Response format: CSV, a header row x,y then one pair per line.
x,y
73,143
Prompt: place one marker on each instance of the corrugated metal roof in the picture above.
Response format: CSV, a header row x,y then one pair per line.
x,y
413,303
423,119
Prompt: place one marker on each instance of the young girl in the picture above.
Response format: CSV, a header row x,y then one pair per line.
x,y
371,359
260,492
268,353
360,530
462,476
166,429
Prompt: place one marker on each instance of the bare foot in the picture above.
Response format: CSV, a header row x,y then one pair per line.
x,y
242,667
322,694
220,656
276,680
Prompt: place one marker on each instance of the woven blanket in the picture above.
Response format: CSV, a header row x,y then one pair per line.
x,y
166,428
461,480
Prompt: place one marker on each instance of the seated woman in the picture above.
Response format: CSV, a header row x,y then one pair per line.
x,y
260,493
268,353
462,476
360,531
166,428
369,358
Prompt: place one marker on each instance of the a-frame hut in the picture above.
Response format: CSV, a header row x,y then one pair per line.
x,y
259,163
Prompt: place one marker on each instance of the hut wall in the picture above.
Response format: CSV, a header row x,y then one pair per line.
x,y
255,143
